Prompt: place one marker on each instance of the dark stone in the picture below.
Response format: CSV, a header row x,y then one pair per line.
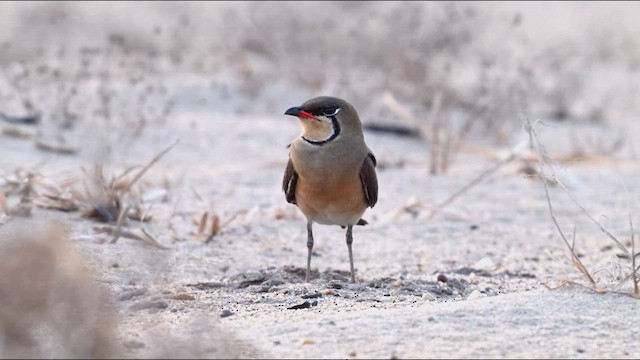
x,y
304,305
226,313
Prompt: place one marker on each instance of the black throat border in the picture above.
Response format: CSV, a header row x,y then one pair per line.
x,y
336,132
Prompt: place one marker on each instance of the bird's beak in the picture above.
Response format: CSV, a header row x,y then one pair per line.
x,y
297,111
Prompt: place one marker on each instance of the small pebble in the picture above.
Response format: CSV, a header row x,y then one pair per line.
x,y
308,342
304,305
226,313
328,292
159,304
128,295
183,297
443,278
475,294
352,353
312,296
427,296
485,264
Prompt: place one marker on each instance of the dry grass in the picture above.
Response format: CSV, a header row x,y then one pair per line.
x,y
104,198
49,305
111,201
444,134
543,164
209,224
472,60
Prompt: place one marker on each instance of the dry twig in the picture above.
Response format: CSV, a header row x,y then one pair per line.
x,y
129,235
119,223
139,175
539,150
3,202
214,227
107,204
575,260
56,148
634,272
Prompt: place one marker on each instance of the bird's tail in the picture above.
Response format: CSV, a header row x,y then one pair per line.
x,y
360,222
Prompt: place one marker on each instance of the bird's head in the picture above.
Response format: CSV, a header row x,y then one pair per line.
x,y
324,118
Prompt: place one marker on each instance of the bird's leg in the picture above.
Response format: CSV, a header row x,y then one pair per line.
x,y
349,242
309,248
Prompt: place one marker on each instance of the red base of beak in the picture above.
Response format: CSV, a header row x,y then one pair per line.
x,y
296,111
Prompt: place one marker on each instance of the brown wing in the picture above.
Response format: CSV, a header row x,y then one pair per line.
x,y
289,183
369,179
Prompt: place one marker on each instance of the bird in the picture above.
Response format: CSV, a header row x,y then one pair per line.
x,y
330,175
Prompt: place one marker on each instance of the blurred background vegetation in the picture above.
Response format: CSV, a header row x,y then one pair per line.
x,y
466,66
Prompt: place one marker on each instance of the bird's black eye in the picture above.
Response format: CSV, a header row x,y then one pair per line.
x,y
330,110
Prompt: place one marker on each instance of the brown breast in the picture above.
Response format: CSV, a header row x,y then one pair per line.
x,y
331,200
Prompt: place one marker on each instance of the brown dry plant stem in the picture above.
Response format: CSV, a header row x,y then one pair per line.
x,y
634,271
535,143
436,133
107,204
3,202
119,224
633,259
626,253
214,228
148,166
115,233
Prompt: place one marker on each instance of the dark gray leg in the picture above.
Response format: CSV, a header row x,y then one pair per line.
x,y
309,248
349,242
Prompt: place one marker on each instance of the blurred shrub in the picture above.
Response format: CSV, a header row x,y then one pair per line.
x,y
572,61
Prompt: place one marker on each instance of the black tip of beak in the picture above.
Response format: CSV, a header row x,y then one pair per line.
x,y
294,111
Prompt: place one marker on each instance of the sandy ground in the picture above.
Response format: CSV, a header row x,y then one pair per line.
x,y
487,277
243,294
